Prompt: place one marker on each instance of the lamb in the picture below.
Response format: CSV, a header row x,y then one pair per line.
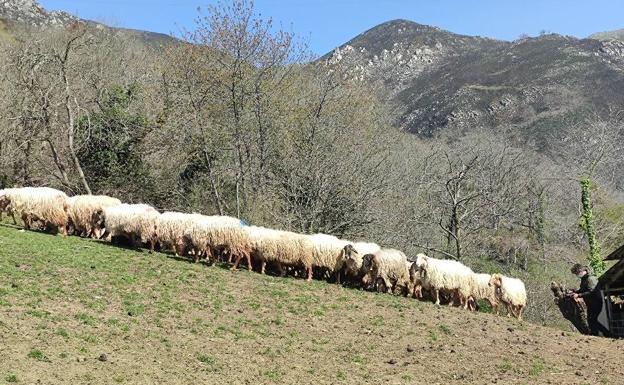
x,y
136,222
328,253
83,211
210,234
445,275
39,204
483,290
388,266
171,228
283,248
511,292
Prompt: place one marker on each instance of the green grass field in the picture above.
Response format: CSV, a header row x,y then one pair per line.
x,y
76,311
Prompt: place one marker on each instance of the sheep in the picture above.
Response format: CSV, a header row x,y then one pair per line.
x,y
5,204
136,222
352,265
39,204
445,275
390,267
171,228
511,292
210,234
415,280
83,211
328,253
282,248
483,290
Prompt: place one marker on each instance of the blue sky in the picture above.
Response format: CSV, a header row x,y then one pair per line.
x,y
329,23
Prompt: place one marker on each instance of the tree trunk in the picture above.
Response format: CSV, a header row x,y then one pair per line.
x,y
70,136
59,165
575,312
213,184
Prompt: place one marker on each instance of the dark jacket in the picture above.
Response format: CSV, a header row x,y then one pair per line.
x,y
588,284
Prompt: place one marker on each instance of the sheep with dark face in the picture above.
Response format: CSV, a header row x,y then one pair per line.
x,y
388,267
352,261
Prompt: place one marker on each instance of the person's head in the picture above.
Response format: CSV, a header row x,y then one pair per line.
x,y
579,270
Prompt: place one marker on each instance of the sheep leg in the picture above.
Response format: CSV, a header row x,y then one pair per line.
x,y
280,268
309,268
417,293
338,277
26,220
63,230
248,258
451,298
236,262
151,245
436,295
209,255
263,267
13,216
520,309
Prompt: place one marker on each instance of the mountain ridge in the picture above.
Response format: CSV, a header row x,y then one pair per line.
x,y
29,13
437,80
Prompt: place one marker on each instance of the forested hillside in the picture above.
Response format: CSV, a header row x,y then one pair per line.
x,y
237,117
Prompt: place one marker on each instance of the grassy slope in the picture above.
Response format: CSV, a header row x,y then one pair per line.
x,y
65,301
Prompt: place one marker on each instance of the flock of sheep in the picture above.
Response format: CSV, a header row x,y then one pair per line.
x,y
212,237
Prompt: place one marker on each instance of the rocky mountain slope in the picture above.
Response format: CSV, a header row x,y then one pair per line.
x,y
440,80
28,13
617,34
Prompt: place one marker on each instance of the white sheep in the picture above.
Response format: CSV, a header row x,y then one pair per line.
x,y
83,212
511,292
283,248
445,275
136,222
482,290
211,234
328,253
389,266
171,228
39,204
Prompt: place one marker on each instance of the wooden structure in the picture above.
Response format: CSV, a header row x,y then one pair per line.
x,y
611,285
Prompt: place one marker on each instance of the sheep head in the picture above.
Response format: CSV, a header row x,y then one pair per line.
x,y
496,281
351,259
98,223
414,270
367,262
5,202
